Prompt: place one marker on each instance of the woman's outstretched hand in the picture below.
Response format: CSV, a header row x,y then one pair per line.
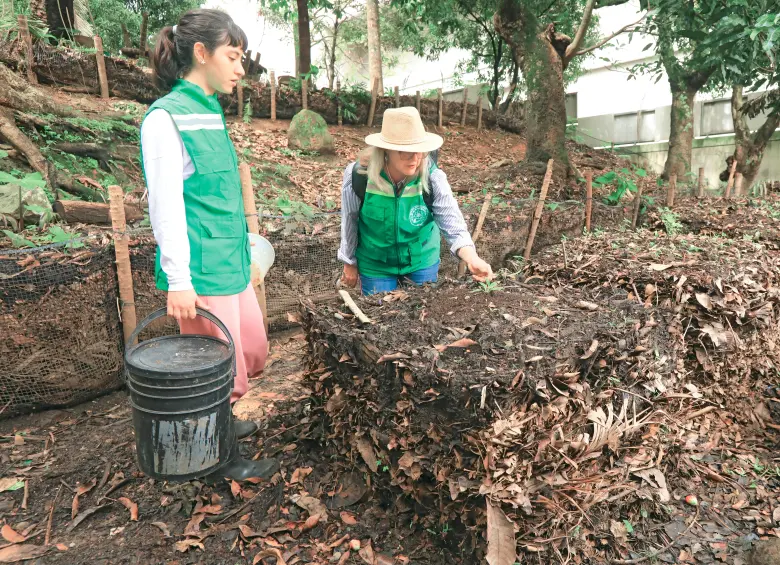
x,y
479,268
182,304
350,276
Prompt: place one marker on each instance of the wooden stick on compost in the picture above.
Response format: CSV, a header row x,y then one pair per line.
x,y
354,307
124,273
273,96
588,199
477,230
538,212
731,179
24,32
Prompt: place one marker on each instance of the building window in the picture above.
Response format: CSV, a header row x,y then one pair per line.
x,y
716,117
571,107
635,128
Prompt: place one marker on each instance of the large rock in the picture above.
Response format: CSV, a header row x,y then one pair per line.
x,y
309,132
36,205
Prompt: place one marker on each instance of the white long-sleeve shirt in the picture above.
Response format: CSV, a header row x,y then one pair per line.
x,y
446,214
167,165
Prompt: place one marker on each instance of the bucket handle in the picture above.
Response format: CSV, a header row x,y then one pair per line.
x,y
200,312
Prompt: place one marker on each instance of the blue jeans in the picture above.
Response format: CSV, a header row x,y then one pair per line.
x,y
373,285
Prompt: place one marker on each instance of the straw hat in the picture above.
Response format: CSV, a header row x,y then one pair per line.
x,y
403,130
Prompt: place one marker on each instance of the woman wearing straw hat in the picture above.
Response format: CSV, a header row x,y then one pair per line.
x,y
390,224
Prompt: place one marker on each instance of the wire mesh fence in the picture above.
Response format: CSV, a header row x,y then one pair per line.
x,y
60,328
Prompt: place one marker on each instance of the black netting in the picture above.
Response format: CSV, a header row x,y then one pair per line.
x,y
60,336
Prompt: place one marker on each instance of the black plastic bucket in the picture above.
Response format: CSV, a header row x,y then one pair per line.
x,y
180,387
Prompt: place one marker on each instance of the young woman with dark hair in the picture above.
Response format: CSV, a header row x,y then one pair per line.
x,y
195,203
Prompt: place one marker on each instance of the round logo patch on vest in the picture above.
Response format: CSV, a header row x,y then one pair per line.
x,y
418,215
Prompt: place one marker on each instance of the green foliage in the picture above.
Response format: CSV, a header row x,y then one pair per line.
x,y
623,181
9,26
53,235
27,182
248,111
671,221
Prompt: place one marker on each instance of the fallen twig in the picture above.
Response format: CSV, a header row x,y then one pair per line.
x,y
51,517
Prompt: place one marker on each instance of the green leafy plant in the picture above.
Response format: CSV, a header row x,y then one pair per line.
x,y
17,240
27,182
623,181
248,112
671,221
488,287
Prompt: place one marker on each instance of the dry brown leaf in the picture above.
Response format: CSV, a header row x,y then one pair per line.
x,y
657,481
80,490
311,522
704,299
193,526
502,548
392,357
591,350
312,505
300,474
131,506
10,535
585,305
235,488
269,553
348,518
10,484
464,342
163,528
366,451
366,553
15,553
62,547
185,545
248,532
658,267
212,509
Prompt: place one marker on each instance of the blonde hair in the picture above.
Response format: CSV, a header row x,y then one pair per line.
x,y
371,161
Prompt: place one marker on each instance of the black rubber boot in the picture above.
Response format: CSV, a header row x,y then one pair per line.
x,y
240,469
244,428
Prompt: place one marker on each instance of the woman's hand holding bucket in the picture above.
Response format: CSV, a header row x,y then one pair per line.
x,y
182,304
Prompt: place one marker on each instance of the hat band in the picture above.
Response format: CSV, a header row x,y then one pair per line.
x,y
403,141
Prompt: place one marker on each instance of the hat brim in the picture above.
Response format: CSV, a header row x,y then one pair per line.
x,y
430,143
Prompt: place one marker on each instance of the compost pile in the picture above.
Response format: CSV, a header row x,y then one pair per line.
x,y
537,410
60,341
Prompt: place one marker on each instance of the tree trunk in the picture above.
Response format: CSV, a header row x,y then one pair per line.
x,y
542,68
374,45
332,55
749,148
304,38
297,46
678,160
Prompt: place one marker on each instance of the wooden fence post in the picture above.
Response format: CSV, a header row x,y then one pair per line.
x,y
305,94
247,62
465,106
477,230
738,188
124,273
257,63
538,211
701,183
397,97
101,64
479,113
417,101
588,199
340,118
670,191
144,43
637,206
240,93
24,32
731,178
441,108
253,224
372,109
273,96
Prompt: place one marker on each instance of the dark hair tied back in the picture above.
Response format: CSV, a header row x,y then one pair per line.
x,y
173,52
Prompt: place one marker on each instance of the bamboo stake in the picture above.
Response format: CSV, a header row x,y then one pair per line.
x,y
538,212
257,63
338,102
305,94
637,206
465,106
253,225
247,62
240,92
124,273
372,109
588,199
701,183
417,101
441,108
738,185
101,64
354,307
477,230
731,178
670,191
144,43
24,31
20,228
479,114
397,97
273,96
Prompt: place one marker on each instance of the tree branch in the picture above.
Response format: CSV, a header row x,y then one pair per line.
x,y
574,46
604,41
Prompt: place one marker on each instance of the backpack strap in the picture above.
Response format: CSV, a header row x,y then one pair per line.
x,y
360,182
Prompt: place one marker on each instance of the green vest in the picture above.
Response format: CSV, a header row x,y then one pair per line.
x,y
396,234
216,223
